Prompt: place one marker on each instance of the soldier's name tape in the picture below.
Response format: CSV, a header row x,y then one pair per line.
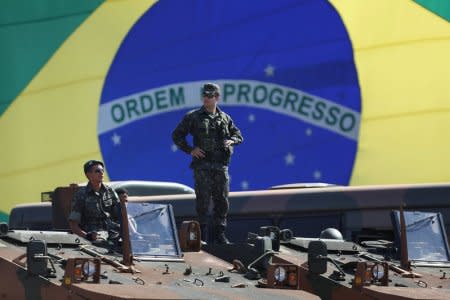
x,y
288,101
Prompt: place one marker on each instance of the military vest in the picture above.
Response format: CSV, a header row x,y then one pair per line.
x,y
98,208
209,133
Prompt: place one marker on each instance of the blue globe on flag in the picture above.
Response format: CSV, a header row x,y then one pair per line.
x,y
287,78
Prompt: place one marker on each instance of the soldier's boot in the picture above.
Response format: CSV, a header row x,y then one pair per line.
x,y
219,235
204,233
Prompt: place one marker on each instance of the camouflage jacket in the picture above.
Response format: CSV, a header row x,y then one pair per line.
x,y
208,132
93,210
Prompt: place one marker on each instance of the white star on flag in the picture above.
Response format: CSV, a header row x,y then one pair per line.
x,y
244,185
308,131
289,159
317,174
251,118
269,70
116,139
174,148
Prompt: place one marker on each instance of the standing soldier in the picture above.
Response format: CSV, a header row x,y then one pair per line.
x,y
214,135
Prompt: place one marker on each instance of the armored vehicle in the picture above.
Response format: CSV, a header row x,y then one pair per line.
x,y
151,260
159,254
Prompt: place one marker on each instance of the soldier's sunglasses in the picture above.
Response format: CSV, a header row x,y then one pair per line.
x,y
209,96
99,170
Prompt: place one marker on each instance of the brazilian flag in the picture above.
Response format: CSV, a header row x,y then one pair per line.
x,y
347,92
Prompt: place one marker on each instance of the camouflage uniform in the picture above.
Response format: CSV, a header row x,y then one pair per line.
x,y
211,172
93,210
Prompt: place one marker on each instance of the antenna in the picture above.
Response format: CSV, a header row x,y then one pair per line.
x,y
404,262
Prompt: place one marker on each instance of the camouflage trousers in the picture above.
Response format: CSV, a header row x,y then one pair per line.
x,y
212,184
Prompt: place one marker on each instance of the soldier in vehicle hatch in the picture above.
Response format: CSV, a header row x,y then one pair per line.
x,y
214,135
94,207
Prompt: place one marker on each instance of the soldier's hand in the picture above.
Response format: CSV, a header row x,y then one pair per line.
x,y
228,143
198,153
91,236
